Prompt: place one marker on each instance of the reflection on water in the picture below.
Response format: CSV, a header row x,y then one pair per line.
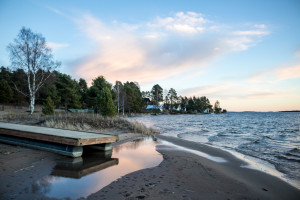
x,y
80,167
80,177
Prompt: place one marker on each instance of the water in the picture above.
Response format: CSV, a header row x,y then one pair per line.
x,y
272,138
80,177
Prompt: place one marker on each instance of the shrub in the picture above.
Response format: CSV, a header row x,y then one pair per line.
x,y
48,107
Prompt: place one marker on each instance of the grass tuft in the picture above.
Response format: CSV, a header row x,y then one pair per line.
x,y
81,122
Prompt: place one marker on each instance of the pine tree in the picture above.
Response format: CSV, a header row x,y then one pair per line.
x,y
48,107
105,103
6,92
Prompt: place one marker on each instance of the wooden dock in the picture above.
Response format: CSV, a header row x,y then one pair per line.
x,y
66,142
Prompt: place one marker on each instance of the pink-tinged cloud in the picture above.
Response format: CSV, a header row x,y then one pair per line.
x,y
288,72
209,90
55,46
154,50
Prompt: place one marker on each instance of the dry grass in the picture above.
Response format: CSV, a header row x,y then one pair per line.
x,y
80,122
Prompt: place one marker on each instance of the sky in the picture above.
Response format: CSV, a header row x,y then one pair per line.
x,y
246,54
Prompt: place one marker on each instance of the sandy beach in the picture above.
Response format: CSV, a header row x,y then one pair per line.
x,y
181,175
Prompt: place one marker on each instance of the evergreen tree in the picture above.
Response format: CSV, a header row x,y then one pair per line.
x,y
83,91
98,85
157,94
6,92
172,95
134,97
67,90
53,94
18,78
191,105
217,107
105,103
48,107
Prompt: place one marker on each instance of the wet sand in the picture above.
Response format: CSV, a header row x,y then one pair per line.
x,y
21,168
181,175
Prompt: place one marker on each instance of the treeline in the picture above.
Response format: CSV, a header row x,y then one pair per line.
x,y
65,92
62,91
182,104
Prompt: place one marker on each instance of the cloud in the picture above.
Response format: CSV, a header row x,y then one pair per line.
x,y
288,72
251,33
263,95
297,53
209,90
190,23
262,26
55,46
262,77
155,50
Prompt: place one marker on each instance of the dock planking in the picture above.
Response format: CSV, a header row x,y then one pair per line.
x,y
50,138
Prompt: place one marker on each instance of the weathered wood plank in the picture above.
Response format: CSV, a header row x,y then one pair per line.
x,y
61,136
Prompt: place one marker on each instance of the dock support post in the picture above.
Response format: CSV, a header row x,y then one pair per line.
x,y
103,147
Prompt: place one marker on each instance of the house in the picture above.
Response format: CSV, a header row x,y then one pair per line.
x,y
153,107
146,100
206,111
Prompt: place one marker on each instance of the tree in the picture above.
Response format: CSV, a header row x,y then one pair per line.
x,y
172,95
118,88
183,103
98,85
190,105
157,94
18,80
48,107
105,103
217,107
6,92
67,89
83,91
29,52
133,96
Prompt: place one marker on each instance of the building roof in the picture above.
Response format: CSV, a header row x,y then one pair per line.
x,y
149,107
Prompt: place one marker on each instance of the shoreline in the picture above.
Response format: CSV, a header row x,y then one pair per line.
x,y
184,175
181,175
254,163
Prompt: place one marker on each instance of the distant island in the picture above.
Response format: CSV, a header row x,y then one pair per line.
x,y
290,111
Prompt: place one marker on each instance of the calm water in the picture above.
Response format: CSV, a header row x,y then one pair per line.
x,y
80,177
271,137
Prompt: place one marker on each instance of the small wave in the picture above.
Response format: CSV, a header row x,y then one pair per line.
x,y
290,158
292,155
196,137
294,152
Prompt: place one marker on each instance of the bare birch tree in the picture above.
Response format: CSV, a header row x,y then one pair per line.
x,y
29,52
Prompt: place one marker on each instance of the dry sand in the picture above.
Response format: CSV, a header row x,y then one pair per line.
x,y
181,175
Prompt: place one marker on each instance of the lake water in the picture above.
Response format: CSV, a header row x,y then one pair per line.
x,y
271,138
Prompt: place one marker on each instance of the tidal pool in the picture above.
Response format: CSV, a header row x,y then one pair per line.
x,y
80,177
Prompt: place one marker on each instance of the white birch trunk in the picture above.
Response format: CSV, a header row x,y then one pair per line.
x,y
31,106
118,98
